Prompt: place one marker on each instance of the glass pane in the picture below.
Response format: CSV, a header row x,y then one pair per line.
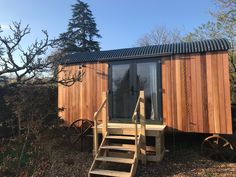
x,y
120,91
147,81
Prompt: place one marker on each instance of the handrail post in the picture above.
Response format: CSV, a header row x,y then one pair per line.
x,y
95,135
104,114
104,120
143,128
136,134
107,111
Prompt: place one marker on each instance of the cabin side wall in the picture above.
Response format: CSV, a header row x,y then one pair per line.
x,y
196,93
82,99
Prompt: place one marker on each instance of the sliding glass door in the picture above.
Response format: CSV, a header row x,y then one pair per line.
x,y
126,80
121,84
148,79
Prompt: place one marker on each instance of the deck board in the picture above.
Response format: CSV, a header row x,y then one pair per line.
x,y
151,129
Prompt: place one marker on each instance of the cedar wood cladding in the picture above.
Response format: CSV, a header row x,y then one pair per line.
x,y
196,92
83,99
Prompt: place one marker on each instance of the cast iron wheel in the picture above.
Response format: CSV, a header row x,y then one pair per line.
x,y
217,148
79,129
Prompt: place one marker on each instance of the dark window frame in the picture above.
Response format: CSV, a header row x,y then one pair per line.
x,y
158,61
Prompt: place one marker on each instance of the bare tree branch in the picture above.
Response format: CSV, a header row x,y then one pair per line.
x,y
31,65
160,35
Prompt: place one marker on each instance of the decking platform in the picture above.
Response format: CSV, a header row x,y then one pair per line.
x,y
154,153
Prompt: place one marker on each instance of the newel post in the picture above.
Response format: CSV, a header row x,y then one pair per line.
x,y
95,135
143,128
104,113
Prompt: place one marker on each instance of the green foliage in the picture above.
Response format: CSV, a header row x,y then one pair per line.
x,y
81,31
223,26
226,14
211,30
205,31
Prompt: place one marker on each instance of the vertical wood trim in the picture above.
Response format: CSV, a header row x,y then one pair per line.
x,y
178,95
215,91
173,93
193,124
228,114
164,93
204,94
183,77
199,94
222,107
189,114
209,93
169,94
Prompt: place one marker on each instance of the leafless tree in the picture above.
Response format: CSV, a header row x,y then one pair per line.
x,y
30,65
32,76
160,35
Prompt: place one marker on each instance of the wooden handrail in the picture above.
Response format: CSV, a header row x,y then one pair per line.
x,y
99,109
134,118
136,109
96,114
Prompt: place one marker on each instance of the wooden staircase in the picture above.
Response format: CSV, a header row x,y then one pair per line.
x,y
118,153
117,156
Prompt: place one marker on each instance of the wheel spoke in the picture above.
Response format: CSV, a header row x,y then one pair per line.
x,y
86,130
217,147
79,129
226,144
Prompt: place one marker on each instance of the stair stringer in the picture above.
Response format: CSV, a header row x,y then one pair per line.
x,y
93,166
136,159
134,165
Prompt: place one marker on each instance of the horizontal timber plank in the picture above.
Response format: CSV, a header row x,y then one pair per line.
x,y
121,137
116,160
119,148
110,173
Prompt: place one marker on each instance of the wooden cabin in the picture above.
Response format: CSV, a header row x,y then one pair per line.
x,y
184,87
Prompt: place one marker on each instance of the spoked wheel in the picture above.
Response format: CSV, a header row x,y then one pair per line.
x,y
79,129
217,148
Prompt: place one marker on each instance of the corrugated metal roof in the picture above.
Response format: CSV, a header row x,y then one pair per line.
x,y
149,51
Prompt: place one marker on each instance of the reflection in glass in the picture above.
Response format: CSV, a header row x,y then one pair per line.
x,y
126,82
147,81
121,91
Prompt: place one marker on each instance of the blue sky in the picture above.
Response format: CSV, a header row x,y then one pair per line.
x,y
121,22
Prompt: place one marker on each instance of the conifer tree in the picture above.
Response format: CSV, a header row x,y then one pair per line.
x,y
81,32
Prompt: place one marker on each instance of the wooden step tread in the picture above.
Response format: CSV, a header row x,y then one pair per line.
x,y
120,148
116,160
109,173
121,137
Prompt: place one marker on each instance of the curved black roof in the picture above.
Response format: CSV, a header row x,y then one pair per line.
x,y
149,51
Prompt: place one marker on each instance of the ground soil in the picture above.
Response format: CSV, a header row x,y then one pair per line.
x,y
183,158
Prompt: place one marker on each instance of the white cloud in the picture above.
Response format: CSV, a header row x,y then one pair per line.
x,y
4,26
